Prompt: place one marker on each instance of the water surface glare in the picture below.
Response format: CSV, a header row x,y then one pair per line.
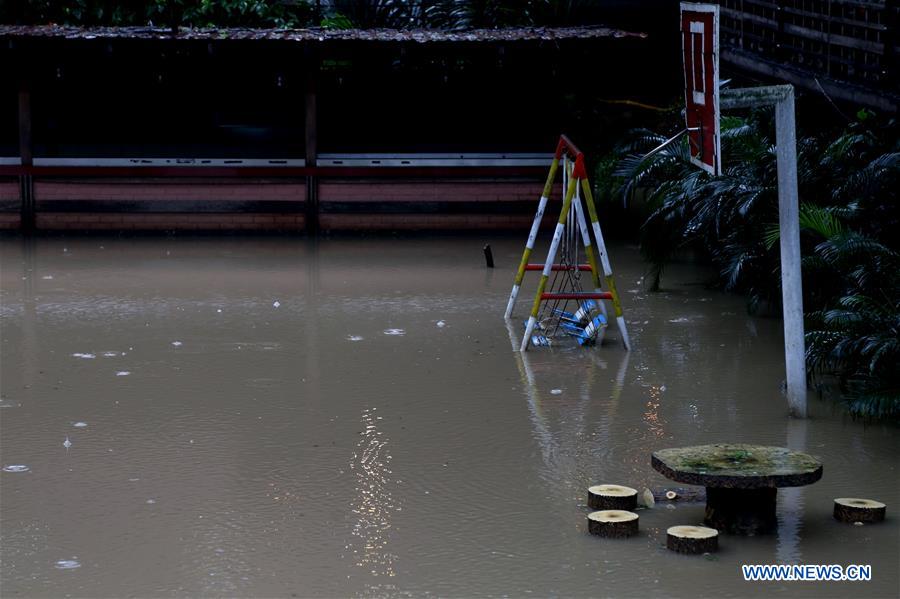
x,y
348,417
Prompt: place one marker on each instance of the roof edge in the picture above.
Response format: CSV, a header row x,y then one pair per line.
x,y
512,34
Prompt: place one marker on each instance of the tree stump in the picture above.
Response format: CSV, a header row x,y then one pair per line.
x,y
612,497
692,539
613,524
853,509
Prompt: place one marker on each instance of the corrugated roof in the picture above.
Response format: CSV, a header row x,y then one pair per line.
x,y
317,35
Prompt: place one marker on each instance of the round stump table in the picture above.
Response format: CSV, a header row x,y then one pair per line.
x,y
741,480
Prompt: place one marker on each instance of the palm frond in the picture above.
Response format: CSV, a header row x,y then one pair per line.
x,y
841,248
820,220
866,181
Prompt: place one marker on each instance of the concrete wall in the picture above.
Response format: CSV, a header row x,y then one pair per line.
x,y
9,202
427,204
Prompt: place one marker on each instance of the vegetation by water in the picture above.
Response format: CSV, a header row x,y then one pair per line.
x,y
337,14
198,13
849,216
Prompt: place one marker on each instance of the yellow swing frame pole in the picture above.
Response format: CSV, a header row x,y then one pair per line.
x,y
551,255
591,256
576,175
586,240
529,245
604,259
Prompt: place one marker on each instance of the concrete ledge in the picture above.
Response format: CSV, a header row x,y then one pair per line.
x,y
140,190
422,222
9,221
87,221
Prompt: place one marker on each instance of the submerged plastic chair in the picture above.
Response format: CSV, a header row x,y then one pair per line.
x,y
588,335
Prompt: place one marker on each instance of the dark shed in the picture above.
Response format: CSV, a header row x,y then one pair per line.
x,y
101,121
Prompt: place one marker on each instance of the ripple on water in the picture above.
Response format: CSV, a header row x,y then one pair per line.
x,y
394,332
16,468
253,345
354,338
67,564
79,424
264,383
84,356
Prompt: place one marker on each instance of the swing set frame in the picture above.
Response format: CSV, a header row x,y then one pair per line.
x,y
595,249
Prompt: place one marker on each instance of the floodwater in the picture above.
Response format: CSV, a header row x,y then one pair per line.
x,y
278,417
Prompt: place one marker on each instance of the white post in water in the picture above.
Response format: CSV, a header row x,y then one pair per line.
x,y
791,280
782,96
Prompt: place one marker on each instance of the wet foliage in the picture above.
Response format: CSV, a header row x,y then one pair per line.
x,y
196,13
453,15
849,217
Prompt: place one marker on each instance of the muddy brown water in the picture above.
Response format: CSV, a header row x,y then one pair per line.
x,y
262,451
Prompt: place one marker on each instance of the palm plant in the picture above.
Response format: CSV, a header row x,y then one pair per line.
x,y
688,208
855,332
848,221
174,13
435,14
856,335
340,14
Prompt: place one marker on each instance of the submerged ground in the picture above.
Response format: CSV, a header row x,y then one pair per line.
x,y
268,417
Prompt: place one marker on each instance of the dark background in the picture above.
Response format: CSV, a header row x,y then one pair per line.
x,y
246,99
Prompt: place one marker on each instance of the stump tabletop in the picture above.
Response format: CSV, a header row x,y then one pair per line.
x,y
737,466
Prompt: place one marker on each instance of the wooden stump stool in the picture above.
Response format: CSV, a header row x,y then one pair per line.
x,y
612,497
853,509
692,539
613,524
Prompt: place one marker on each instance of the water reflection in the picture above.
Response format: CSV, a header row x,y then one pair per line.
x,y
575,445
791,502
374,503
651,417
30,349
534,402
